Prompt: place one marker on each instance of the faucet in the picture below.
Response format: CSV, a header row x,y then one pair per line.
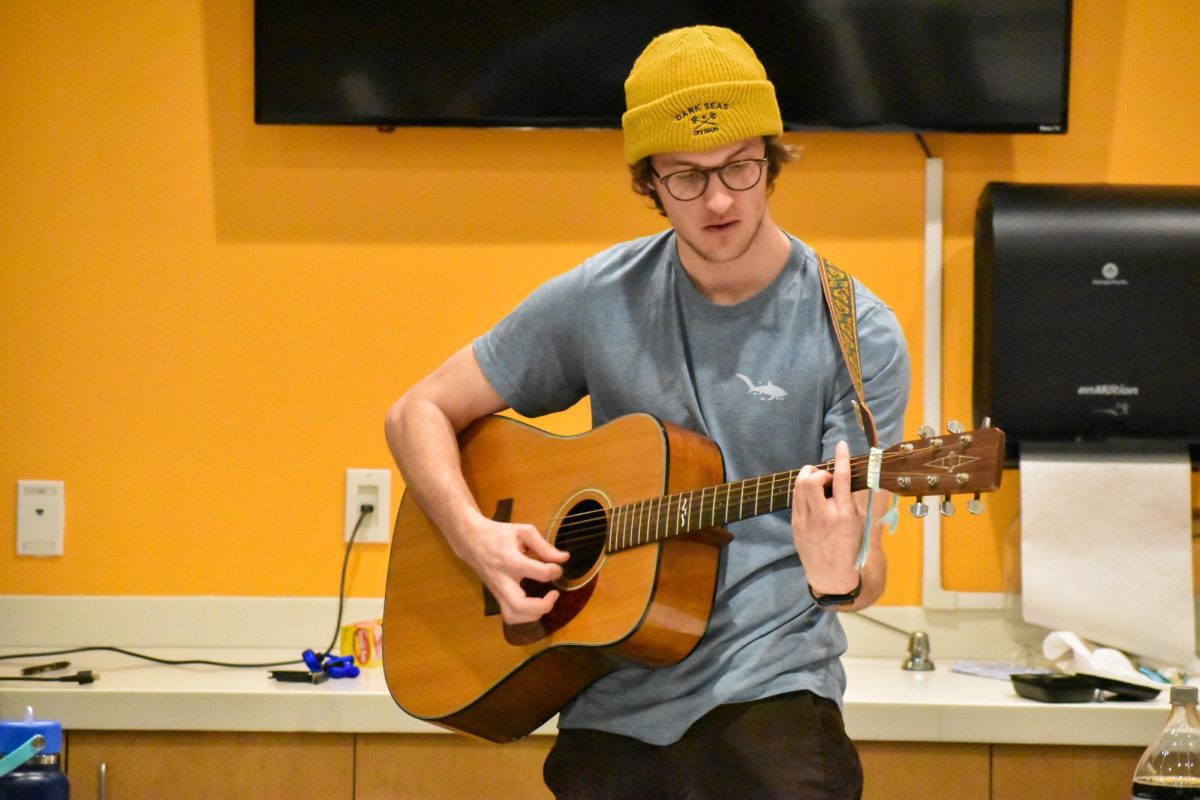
x,y
918,645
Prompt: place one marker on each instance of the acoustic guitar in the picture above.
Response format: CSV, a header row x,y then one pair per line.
x,y
640,506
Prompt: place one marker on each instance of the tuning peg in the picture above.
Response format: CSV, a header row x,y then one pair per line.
x,y
925,431
946,508
918,509
954,426
987,422
975,506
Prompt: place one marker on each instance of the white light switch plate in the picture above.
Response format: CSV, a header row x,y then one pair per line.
x,y
40,518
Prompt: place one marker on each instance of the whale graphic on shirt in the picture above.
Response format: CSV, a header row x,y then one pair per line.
x,y
763,391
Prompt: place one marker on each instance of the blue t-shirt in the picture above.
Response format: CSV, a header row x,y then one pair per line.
x,y
766,380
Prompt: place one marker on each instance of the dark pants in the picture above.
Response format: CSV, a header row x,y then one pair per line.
x,y
790,746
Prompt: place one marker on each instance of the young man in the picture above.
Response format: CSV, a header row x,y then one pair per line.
x,y
717,324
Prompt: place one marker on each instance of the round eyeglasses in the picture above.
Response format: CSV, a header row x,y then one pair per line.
x,y
738,176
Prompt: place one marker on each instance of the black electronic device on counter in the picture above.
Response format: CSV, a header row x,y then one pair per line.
x,y
1087,313
298,676
1058,688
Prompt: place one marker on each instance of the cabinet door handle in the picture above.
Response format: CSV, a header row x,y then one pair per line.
x,y
103,780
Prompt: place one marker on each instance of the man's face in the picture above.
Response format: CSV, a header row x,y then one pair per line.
x,y
721,224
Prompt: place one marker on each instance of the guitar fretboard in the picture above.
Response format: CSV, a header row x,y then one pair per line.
x,y
659,518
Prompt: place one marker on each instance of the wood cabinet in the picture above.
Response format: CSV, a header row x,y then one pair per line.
x,y
1020,771
903,770
249,766
907,770
207,765
441,767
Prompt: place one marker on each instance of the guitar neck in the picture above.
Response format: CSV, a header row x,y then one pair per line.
x,y
659,518
958,463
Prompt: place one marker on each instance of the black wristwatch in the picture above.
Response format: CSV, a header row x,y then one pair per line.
x,y
827,600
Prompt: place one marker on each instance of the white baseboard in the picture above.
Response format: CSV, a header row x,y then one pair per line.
x,y
204,622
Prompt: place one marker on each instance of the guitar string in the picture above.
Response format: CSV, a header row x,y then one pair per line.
x,y
773,490
594,526
779,488
593,523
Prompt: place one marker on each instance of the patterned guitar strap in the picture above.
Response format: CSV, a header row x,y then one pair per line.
x,y
839,299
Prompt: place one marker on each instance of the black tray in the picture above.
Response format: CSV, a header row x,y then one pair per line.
x,y
1124,690
1055,688
1050,688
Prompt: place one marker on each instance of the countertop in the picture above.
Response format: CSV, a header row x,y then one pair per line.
x,y
883,703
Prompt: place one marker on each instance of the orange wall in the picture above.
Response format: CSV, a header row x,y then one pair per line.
x,y
204,321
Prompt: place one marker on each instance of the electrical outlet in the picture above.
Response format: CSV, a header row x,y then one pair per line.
x,y
40,518
374,487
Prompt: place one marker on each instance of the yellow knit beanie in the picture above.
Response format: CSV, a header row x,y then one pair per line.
x,y
696,88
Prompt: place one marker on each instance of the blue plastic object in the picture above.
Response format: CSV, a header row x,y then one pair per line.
x,y
342,667
333,666
312,661
14,733
30,769
22,754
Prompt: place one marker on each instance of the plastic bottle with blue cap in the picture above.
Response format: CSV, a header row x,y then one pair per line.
x,y
31,760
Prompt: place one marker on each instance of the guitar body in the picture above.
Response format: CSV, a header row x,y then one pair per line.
x,y
637,504
449,658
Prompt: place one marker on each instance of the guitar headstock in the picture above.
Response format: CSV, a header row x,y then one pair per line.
x,y
957,462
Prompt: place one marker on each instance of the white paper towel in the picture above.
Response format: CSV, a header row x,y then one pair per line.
x,y
1106,548
1074,656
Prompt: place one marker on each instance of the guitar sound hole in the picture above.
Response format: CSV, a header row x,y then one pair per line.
x,y
583,533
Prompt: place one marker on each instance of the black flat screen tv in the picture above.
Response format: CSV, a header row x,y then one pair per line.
x,y
998,66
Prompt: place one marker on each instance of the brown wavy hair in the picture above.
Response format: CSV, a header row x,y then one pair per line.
x,y
777,154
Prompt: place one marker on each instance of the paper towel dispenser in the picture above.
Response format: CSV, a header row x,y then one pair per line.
x,y
1087,312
